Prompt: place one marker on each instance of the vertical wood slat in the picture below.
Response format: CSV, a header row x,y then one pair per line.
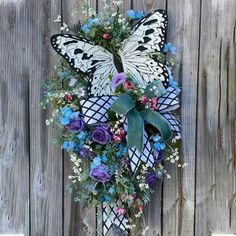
x,y
14,130
179,192
78,220
149,5
45,158
216,193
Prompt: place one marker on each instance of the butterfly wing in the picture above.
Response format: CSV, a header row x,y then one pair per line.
x,y
87,58
148,36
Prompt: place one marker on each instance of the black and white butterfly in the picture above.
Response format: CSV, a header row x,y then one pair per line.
x,y
133,57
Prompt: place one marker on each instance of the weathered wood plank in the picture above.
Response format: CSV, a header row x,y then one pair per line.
x,y
179,193
78,220
149,5
14,118
215,195
45,158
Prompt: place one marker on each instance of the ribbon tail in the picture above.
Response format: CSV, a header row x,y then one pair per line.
x,y
135,130
146,156
112,221
136,157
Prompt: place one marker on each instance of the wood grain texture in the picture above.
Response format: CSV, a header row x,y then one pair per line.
x,y
149,5
78,219
215,190
197,201
179,192
45,158
14,119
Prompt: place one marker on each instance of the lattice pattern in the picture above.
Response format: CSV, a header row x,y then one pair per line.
x,y
147,156
168,101
111,218
175,125
136,157
95,109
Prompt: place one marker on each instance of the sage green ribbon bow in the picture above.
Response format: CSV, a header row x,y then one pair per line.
x,y
124,105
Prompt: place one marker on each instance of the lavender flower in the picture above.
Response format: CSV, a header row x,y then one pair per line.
x,y
85,153
100,173
75,124
118,79
151,179
101,134
158,157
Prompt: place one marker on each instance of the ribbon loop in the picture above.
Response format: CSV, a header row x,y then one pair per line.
x,y
125,105
135,130
158,121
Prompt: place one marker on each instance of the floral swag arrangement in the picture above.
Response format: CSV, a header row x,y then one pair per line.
x,y
114,98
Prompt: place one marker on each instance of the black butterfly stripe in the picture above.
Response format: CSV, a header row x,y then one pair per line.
x,y
150,31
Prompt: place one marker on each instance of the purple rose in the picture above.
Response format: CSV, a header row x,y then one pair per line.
x,y
76,124
151,179
101,134
100,173
158,157
85,153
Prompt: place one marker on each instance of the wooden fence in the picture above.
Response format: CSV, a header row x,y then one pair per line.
x,y
197,201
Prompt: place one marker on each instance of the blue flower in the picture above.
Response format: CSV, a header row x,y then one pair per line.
x,y
85,28
136,15
66,111
122,150
111,190
131,14
81,136
168,47
106,198
64,120
96,162
139,15
93,21
159,144
156,138
66,115
104,158
68,145
75,115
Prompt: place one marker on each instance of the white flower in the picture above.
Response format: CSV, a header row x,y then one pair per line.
x,y
65,27
142,186
117,3
80,92
91,12
72,82
58,19
168,176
